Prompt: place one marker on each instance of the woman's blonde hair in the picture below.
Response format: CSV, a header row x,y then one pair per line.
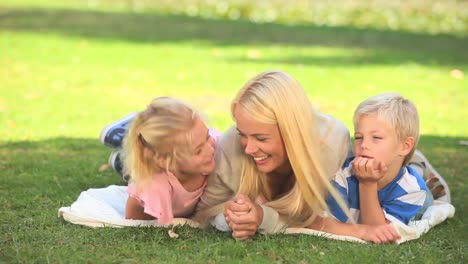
x,y
157,138
275,98
399,112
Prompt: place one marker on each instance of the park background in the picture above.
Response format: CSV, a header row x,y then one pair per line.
x,y
67,68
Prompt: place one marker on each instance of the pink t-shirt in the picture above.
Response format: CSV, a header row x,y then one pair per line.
x,y
165,198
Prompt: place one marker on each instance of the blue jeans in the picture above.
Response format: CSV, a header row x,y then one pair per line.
x,y
427,202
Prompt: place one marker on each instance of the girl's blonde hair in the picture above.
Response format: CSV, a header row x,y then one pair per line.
x,y
157,138
399,112
275,98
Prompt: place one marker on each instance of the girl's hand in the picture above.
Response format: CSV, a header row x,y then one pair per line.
x,y
243,217
368,169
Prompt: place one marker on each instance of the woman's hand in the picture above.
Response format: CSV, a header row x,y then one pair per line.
x,y
243,217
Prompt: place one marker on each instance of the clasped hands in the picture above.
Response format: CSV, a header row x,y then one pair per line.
x,y
243,216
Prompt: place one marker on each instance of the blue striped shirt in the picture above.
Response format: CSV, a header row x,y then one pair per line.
x,y
400,200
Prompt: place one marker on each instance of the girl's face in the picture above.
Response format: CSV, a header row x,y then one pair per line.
x,y
200,156
263,142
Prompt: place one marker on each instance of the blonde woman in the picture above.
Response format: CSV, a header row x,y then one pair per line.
x,y
273,169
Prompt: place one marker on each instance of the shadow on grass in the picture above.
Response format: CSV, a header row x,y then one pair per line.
x,y
40,177
62,166
382,47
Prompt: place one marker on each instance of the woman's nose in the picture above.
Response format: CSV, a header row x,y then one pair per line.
x,y
250,147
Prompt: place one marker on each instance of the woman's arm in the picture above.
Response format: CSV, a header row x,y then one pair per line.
x,y
223,184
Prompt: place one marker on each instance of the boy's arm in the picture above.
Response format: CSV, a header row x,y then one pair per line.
x,y
403,208
369,172
371,211
372,233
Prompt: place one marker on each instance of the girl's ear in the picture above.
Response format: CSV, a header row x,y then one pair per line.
x,y
406,146
161,161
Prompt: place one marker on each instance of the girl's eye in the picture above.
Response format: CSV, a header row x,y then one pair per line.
x,y
376,137
357,138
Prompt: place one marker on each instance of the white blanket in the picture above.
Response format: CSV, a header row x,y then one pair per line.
x,y
106,207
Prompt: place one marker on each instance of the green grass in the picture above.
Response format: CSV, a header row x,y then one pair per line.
x,y
66,71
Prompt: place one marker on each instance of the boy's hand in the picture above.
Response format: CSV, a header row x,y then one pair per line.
x,y
380,234
368,169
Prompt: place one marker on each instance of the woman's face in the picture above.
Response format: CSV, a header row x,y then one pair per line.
x,y
263,142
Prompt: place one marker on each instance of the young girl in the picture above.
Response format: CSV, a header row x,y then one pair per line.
x,y
168,153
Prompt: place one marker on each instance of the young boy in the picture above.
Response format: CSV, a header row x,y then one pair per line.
x,y
377,185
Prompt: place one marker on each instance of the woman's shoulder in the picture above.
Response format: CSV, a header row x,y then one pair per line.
x,y
335,143
229,142
331,128
229,158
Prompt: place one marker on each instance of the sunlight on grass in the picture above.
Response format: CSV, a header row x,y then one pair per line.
x,y
72,86
67,68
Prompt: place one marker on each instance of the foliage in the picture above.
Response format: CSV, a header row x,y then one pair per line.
x,y
432,16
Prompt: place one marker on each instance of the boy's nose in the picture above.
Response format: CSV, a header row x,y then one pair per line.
x,y
364,144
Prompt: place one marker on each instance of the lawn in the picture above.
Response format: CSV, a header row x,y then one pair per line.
x,y
66,70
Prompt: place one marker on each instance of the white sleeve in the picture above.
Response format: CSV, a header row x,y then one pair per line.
x,y
219,222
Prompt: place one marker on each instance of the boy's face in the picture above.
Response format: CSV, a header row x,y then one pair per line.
x,y
374,138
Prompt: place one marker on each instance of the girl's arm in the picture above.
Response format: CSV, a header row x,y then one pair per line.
x,y
133,210
377,234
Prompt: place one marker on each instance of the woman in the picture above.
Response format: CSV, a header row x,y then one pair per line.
x,y
279,174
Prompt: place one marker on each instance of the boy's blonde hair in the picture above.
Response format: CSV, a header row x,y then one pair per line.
x,y
275,98
157,138
399,112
